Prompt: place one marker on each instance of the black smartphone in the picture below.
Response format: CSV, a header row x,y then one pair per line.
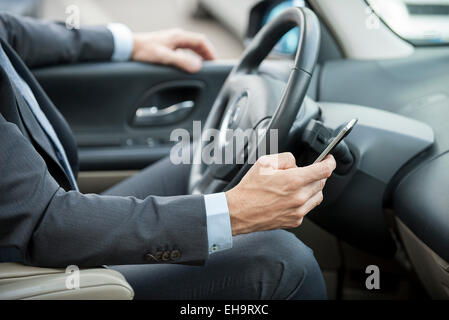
x,y
340,136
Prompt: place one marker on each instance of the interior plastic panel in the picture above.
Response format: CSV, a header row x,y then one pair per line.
x,y
382,143
100,100
417,87
421,201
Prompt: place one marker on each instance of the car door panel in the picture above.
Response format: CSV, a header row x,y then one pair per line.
x,y
102,102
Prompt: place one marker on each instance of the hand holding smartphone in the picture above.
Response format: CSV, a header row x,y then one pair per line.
x,y
340,136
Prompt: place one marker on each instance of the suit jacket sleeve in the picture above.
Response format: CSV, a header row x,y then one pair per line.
x,y
41,42
54,228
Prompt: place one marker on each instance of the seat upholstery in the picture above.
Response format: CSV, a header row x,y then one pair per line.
x,y
23,282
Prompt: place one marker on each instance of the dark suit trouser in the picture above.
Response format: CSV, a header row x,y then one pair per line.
x,y
261,265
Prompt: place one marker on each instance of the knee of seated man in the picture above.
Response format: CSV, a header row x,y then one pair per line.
x,y
286,262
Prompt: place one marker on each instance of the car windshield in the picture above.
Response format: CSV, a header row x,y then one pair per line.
x,y
421,22
288,43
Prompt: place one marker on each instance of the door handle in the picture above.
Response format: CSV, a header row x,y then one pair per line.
x,y
146,116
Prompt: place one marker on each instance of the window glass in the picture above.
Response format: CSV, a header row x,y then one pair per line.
x,y
287,45
421,22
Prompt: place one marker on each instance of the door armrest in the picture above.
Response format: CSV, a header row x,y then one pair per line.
x,y
23,282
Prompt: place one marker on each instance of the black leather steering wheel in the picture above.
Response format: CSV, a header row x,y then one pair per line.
x,y
250,100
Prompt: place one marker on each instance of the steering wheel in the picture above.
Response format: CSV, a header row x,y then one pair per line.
x,y
250,100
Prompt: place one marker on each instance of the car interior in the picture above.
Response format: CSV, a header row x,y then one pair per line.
x,y
386,205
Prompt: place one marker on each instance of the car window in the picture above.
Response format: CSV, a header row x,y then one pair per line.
x,y
421,22
142,16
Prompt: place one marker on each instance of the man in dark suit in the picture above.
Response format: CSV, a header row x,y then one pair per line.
x,y
145,227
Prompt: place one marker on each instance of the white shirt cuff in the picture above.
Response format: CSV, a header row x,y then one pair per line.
x,y
123,41
219,232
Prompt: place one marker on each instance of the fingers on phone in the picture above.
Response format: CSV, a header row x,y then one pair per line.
x,y
281,161
313,202
317,171
314,188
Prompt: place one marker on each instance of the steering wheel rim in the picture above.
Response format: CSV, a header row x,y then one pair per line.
x,y
202,179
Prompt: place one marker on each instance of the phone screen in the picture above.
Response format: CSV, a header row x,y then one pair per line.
x,y
340,136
